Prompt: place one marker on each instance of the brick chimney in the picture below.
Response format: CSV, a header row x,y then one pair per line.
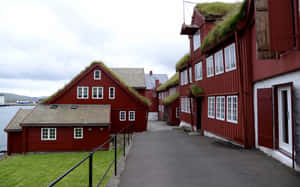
x,y
150,72
156,83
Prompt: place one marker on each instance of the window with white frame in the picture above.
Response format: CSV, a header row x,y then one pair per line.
x,y
220,107
97,93
172,91
211,107
97,75
181,78
111,93
82,92
122,115
48,133
232,109
198,71
196,40
190,74
210,66
131,115
219,67
230,58
78,133
186,77
177,112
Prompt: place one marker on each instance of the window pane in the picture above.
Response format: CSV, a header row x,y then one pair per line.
x,y
85,92
94,92
45,133
79,92
100,92
52,133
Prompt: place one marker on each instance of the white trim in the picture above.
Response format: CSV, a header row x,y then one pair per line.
x,y
48,134
219,107
80,137
230,57
209,66
114,93
97,92
82,96
129,118
99,74
230,105
122,112
219,67
211,103
196,40
198,71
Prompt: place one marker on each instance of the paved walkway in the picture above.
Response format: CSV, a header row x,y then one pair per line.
x,y
166,157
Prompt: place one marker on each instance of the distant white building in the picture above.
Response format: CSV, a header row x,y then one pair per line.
x,y
2,101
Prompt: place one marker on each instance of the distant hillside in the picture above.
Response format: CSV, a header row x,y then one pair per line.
x,y
11,98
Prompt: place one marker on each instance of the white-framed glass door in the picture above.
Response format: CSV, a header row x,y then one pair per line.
x,y
285,119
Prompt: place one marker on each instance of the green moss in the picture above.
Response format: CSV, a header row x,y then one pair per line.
x,y
228,25
182,62
170,98
196,90
216,8
132,90
171,82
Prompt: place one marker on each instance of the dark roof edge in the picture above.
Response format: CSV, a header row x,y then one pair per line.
x,y
65,124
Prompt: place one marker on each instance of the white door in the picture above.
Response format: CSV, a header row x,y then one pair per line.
x,y
285,119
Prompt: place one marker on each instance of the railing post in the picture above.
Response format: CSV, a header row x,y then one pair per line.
x,y
115,155
124,142
91,170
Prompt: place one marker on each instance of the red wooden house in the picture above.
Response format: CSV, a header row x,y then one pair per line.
x,y
168,94
81,115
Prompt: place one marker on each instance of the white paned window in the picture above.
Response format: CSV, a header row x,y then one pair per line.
x,y
220,107
122,115
181,78
230,58
78,133
131,115
111,93
82,92
177,112
210,66
232,109
97,93
97,75
190,74
198,71
219,68
48,133
211,107
197,40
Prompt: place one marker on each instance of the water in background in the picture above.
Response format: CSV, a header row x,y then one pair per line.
x,y
6,114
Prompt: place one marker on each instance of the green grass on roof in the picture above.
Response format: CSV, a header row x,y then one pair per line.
x,y
196,90
170,98
183,61
228,25
171,82
132,90
216,8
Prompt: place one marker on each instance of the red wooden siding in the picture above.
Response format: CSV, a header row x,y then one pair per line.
x,y
154,100
172,120
14,142
265,117
92,138
140,123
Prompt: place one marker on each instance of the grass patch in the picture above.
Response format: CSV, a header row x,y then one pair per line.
x,y
228,25
215,8
196,90
170,98
171,82
42,169
183,61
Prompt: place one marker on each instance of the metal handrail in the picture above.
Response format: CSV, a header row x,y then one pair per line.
x,y
90,157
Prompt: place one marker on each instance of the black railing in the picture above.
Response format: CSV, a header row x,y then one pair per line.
x,y
126,131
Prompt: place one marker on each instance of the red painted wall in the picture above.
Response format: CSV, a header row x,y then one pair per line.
x,y
14,142
92,138
172,120
154,100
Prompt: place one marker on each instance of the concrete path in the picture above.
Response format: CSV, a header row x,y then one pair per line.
x,y
166,157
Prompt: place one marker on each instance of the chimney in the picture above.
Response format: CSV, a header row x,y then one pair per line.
x,y
150,73
156,83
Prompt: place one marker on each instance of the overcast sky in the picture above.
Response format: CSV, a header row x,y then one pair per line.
x,y
43,44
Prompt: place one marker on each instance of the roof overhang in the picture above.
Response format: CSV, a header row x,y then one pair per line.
x,y
67,124
189,29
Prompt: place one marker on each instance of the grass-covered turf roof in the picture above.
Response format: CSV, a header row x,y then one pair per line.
x,y
170,98
132,90
227,26
171,82
196,90
182,62
216,8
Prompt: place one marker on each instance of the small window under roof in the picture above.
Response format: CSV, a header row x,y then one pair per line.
x,y
74,106
53,106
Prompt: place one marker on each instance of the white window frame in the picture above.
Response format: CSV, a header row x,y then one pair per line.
x,y
219,67
196,40
81,130
129,116
230,58
122,112
198,71
210,66
190,74
48,134
82,95
97,78
220,108
114,93
97,93
211,107
231,110
177,112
